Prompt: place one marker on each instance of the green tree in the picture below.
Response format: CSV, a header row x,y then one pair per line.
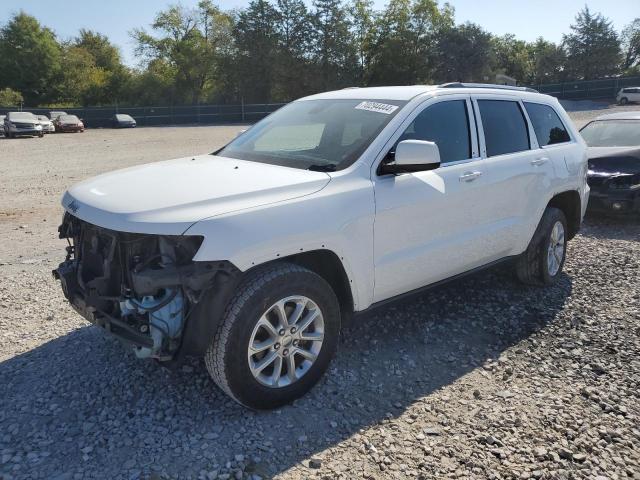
x,y
631,47
29,58
294,74
513,57
465,54
256,38
593,47
547,62
10,98
187,43
334,50
363,21
405,49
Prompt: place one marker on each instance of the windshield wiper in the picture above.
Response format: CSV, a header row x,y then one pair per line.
x,y
327,167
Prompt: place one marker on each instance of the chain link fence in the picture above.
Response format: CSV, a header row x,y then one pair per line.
x,y
605,88
95,117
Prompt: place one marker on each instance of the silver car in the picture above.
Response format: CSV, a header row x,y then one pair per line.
x,y
47,125
22,123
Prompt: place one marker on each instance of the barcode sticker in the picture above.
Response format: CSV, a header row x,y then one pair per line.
x,y
377,107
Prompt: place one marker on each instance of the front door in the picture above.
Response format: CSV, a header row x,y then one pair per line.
x,y
427,226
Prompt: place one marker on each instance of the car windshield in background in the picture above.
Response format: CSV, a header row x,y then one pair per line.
x,y
124,118
612,133
43,118
314,134
68,118
22,116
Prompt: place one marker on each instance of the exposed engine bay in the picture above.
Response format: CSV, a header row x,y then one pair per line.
x,y
141,288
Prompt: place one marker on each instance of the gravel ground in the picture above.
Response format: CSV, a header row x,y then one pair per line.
x,y
482,378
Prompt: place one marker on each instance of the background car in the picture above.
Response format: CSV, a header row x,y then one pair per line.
x,y
614,162
68,123
2,124
22,123
55,114
122,120
628,94
47,125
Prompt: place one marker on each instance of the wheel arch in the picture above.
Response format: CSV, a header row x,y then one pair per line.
x,y
570,204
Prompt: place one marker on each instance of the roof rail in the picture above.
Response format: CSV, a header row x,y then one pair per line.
x,y
486,85
349,88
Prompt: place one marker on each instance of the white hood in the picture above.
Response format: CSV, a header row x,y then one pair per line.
x,y
168,197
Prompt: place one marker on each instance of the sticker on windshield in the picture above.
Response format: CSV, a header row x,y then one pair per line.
x,y
377,107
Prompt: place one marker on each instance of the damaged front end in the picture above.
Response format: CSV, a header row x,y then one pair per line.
x,y
142,288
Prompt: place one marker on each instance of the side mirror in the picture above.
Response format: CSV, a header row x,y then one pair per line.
x,y
413,156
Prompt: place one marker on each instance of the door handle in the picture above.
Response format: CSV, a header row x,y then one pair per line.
x,y
539,161
469,176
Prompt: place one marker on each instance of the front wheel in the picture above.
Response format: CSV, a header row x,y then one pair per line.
x,y
542,262
277,336
623,101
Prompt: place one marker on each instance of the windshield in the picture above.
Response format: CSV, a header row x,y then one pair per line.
x,y
43,118
122,117
21,116
314,134
612,133
68,118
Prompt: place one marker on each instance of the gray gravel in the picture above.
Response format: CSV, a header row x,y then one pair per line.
x,y
482,378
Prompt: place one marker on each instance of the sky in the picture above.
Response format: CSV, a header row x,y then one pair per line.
x,y
527,19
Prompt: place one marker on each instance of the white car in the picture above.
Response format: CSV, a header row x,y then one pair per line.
x,y
628,94
254,255
47,125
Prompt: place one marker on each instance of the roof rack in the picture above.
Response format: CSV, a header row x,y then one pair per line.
x,y
486,85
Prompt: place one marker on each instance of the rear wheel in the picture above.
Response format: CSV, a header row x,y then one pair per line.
x,y
542,262
277,337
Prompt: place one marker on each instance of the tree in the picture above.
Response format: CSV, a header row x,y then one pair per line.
x,y
188,44
631,47
547,62
334,50
256,38
363,21
29,58
404,51
593,47
513,57
10,98
294,35
465,54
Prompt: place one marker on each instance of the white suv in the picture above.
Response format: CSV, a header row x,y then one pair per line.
x,y
253,256
628,94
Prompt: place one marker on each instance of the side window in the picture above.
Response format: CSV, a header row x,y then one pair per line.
x,y
505,129
547,125
446,124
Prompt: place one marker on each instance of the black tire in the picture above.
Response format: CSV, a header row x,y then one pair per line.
x,y
226,358
532,267
623,101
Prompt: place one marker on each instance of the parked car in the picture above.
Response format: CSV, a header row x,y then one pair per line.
x,y
22,123
614,162
68,123
55,114
628,94
253,256
47,125
2,123
121,120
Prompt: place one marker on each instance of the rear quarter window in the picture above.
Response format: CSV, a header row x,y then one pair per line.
x,y
547,124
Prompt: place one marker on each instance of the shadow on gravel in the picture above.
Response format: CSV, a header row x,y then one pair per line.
x,y
611,227
81,404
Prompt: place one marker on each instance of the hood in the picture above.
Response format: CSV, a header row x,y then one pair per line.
x,y
606,161
168,197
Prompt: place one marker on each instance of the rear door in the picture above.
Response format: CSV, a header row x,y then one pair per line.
x,y
517,174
